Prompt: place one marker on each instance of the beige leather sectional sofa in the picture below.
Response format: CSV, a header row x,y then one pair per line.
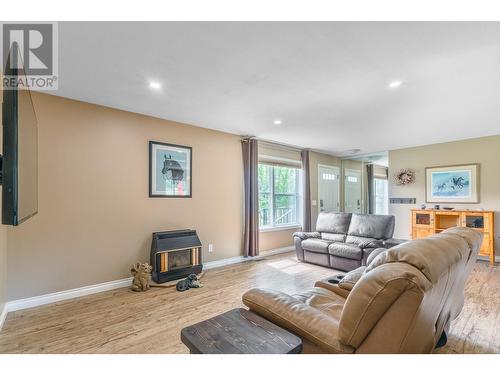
x,y
401,302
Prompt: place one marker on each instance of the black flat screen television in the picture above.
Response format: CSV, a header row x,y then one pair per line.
x,y
20,145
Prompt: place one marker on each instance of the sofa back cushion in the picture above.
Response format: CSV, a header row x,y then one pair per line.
x,y
474,240
372,226
332,222
364,242
432,255
336,237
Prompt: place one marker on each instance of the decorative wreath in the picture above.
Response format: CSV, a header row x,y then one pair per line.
x,y
405,177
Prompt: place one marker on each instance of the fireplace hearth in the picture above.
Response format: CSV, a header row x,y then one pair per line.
x,y
175,254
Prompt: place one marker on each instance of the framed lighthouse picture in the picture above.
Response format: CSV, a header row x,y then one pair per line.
x,y
170,170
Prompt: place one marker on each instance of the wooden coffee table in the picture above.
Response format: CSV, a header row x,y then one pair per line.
x,y
239,331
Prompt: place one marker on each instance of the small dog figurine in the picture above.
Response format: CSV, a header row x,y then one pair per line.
x,y
142,276
192,281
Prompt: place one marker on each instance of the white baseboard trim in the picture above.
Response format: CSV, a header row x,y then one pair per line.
x,y
280,250
45,299
3,315
487,258
239,259
224,262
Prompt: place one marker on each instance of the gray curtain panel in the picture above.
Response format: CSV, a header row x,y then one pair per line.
x,y
371,188
306,188
250,165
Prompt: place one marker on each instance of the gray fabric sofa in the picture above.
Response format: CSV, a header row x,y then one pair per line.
x,y
344,241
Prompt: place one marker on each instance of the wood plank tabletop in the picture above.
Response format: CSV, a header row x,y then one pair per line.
x,y
239,331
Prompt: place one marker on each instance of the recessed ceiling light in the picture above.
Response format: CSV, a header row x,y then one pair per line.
x,y
395,84
277,122
154,85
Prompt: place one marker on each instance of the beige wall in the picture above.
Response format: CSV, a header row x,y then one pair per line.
x,y
485,151
95,217
316,158
276,239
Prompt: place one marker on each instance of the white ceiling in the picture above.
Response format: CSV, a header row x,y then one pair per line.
x,y
327,81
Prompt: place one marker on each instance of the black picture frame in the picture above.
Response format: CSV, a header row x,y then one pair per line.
x,y
153,194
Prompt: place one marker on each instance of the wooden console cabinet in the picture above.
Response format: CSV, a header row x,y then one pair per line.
x,y
429,222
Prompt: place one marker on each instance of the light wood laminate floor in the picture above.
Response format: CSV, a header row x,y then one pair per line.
x,y
122,321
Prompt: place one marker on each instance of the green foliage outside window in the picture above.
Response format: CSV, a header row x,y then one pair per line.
x,y
277,195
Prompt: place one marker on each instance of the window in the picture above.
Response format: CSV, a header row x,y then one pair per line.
x,y
278,196
381,196
329,176
351,179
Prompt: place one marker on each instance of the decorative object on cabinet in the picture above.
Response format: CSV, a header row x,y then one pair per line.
x,y
402,200
452,184
404,176
425,223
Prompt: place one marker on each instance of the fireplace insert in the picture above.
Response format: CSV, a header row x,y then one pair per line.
x,y
175,254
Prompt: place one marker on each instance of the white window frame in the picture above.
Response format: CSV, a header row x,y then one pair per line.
x,y
275,227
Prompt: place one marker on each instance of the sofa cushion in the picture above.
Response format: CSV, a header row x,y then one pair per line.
x,y
433,255
373,226
313,315
345,250
336,237
364,242
471,236
316,245
333,222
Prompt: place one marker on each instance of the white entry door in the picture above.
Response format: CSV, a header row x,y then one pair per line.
x,y
328,188
352,187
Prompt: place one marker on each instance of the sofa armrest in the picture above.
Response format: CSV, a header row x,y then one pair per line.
x,y
391,242
300,318
371,244
374,254
307,235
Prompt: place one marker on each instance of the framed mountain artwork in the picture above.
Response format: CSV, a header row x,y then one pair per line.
x,y
452,184
170,170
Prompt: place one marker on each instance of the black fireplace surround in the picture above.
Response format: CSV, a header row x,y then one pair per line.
x,y
175,254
